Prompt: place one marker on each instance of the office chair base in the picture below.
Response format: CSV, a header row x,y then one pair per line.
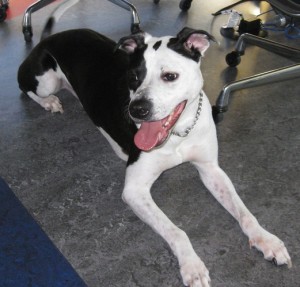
x,y
272,46
234,58
281,74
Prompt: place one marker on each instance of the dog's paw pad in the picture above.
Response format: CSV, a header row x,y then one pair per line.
x,y
272,247
195,274
53,104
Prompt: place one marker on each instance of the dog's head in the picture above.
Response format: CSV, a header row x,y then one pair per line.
x,y
164,77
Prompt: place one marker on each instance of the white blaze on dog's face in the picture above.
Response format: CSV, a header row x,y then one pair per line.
x,y
164,77
170,78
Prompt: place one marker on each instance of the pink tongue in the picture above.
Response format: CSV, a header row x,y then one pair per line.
x,y
149,135
152,134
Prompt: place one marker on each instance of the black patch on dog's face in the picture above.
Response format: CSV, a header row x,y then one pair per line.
x,y
157,45
177,46
137,69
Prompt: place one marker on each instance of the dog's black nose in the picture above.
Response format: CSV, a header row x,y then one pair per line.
x,y
140,109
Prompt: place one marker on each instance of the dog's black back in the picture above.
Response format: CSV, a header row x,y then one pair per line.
x,y
100,82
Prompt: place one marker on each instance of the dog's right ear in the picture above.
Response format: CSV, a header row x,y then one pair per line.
x,y
131,43
191,43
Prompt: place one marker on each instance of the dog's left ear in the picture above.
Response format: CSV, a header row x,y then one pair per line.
x,y
191,43
131,43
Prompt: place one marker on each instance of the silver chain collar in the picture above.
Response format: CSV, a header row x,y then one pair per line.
x,y
188,130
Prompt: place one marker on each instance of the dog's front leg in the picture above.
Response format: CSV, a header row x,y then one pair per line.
x,y
139,179
223,190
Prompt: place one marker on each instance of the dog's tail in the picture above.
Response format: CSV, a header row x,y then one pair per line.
x,y
55,16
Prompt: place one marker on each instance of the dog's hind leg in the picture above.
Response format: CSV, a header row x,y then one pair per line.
x,y
223,190
48,85
41,78
139,179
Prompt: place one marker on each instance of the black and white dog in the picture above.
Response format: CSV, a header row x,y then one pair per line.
x,y
145,96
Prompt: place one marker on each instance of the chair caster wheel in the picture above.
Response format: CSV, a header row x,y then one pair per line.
x,y
3,14
185,5
27,32
217,114
155,1
233,59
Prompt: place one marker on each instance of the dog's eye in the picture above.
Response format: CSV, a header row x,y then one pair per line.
x,y
133,80
132,77
169,77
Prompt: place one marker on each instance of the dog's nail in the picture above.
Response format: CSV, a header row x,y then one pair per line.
x,y
250,244
274,261
289,263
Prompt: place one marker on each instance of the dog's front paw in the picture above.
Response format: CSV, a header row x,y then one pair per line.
x,y
194,273
53,104
272,248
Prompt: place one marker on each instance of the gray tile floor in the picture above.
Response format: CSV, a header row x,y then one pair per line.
x,y
65,173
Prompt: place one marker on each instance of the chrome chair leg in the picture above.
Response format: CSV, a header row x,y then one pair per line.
x,y
281,74
234,58
3,8
135,20
27,28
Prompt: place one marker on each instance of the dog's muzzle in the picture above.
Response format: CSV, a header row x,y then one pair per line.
x,y
152,134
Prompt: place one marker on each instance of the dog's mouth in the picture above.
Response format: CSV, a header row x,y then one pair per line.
x,y
153,134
